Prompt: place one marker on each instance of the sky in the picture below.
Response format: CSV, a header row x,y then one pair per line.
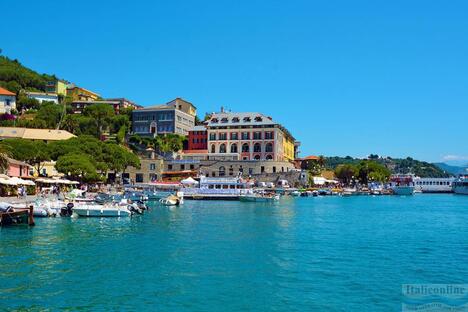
x,y
345,77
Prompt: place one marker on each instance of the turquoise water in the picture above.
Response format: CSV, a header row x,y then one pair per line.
x,y
303,254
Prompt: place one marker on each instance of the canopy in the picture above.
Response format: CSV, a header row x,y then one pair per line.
x,y
56,181
15,181
189,181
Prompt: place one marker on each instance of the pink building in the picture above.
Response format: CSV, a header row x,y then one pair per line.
x,y
18,169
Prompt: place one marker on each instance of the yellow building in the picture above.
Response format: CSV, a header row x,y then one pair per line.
x,y
47,170
81,94
288,148
57,86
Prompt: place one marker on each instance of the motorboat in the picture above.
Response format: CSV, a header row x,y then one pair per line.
x,y
173,199
262,198
347,191
296,193
99,210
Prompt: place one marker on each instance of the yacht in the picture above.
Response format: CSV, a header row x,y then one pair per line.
x,y
460,185
433,185
222,188
402,184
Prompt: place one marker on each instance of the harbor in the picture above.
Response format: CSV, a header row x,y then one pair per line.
x,y
327,250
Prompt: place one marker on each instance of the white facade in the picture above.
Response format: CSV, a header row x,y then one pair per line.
x,y
7,103
41,97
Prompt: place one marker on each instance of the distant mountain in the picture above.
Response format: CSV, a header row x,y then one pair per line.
x,y
455,170
395,165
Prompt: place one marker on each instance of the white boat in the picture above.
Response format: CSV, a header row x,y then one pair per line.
x,y
433,185
347,191
173,200
296,193
460,186
259,198
402,184
97,210
219,188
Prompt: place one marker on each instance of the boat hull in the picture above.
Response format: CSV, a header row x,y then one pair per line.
x,y
101,212
462,190
403,190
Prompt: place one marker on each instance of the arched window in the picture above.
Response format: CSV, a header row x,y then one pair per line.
x,y
222,148
269,148
245,148
222,171
269,157
257,157
257,148
213,148
234,148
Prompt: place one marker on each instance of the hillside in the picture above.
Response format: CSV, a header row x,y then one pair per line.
x,y
395,165
14,76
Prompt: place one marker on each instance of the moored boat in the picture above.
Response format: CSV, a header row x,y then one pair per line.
x,y
97,210
460,186
402,184
259,198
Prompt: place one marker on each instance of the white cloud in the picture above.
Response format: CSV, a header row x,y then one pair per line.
x,y
454,157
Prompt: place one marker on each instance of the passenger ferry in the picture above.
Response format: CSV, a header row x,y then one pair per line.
x,y
460,185
402,184
433,185
218,188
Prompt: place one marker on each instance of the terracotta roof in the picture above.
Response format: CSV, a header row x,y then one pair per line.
x,y
312,158
6,92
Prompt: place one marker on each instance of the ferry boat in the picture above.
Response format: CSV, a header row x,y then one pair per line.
x,y
433,185
460,185
218,188
402,184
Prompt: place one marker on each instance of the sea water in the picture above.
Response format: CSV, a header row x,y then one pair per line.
x,y
301,254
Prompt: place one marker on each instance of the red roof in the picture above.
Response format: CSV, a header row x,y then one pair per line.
x,y
312,158
5,92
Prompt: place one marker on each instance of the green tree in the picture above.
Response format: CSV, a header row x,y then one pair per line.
x,y
346,172
102,114
50,113
32,152
78,167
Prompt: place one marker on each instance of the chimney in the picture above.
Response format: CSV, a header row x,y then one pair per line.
x,y
222,109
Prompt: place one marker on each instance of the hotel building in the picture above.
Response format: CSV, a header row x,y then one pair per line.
x,y
248,136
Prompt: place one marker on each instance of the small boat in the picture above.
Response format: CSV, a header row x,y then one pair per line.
x,y
173,200
259,198
97,210
349,191
296,193
13,216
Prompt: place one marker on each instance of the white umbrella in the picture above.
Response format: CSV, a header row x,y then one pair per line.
x,y
7,182
189,181
28,182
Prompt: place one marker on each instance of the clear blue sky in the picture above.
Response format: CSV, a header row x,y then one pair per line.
x,y
346,77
